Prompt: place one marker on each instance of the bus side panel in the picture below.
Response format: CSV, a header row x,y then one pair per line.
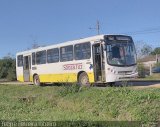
x,y
91,77
19,71
31,78
58,72
20,78
66,77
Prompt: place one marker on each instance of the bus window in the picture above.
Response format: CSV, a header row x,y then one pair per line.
x,y
41,57
66,53
53,55
33,58
20,60
82,51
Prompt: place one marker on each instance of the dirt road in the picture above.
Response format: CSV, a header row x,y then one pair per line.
x,y
16,83
134,84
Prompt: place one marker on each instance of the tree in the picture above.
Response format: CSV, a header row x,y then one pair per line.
x,y
156,51
146,50
11,74
142,49
8,68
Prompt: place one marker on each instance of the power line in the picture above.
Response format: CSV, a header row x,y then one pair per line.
x,y
145,31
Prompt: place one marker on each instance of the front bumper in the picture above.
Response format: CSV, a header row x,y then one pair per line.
x,y
118,77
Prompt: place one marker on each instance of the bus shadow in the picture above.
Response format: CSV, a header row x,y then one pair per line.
x,y
143,83
92,85
52,84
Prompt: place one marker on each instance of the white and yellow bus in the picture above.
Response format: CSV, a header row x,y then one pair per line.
x,y
97,59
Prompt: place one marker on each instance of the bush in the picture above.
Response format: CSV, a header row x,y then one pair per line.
x,y
8,69
141,71
72,89
69,89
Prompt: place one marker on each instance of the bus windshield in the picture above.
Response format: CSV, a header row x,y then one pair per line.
x,y
121,53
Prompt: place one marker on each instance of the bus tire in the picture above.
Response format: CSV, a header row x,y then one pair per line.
x,y
83,79
36,80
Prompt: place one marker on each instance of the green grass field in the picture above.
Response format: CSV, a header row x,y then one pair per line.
x,y
56,103
151,77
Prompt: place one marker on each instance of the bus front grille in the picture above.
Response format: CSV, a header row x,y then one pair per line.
x,y
124,72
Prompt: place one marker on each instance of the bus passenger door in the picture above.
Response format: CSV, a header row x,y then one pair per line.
x,y
26,68
98,64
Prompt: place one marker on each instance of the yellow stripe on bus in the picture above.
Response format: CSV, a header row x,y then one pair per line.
x,y
20,78
67,77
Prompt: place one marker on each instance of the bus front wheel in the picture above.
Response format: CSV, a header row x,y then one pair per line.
x,y
83,79
36,80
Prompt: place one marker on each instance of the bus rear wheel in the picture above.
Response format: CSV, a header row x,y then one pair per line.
x,y
36,80
83,79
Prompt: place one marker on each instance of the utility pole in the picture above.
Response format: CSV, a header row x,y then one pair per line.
x,y
35,44
97,28
157,58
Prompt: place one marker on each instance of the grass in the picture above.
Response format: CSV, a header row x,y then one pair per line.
x,y
154,76
65,103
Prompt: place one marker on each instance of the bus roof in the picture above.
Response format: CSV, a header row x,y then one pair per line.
x,y
92,38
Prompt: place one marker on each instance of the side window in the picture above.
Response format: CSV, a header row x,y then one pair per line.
x,y
53,55
66,53
41,57
33,59
20,60
82,51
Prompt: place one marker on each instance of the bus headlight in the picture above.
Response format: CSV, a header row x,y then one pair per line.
x,y
111,70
